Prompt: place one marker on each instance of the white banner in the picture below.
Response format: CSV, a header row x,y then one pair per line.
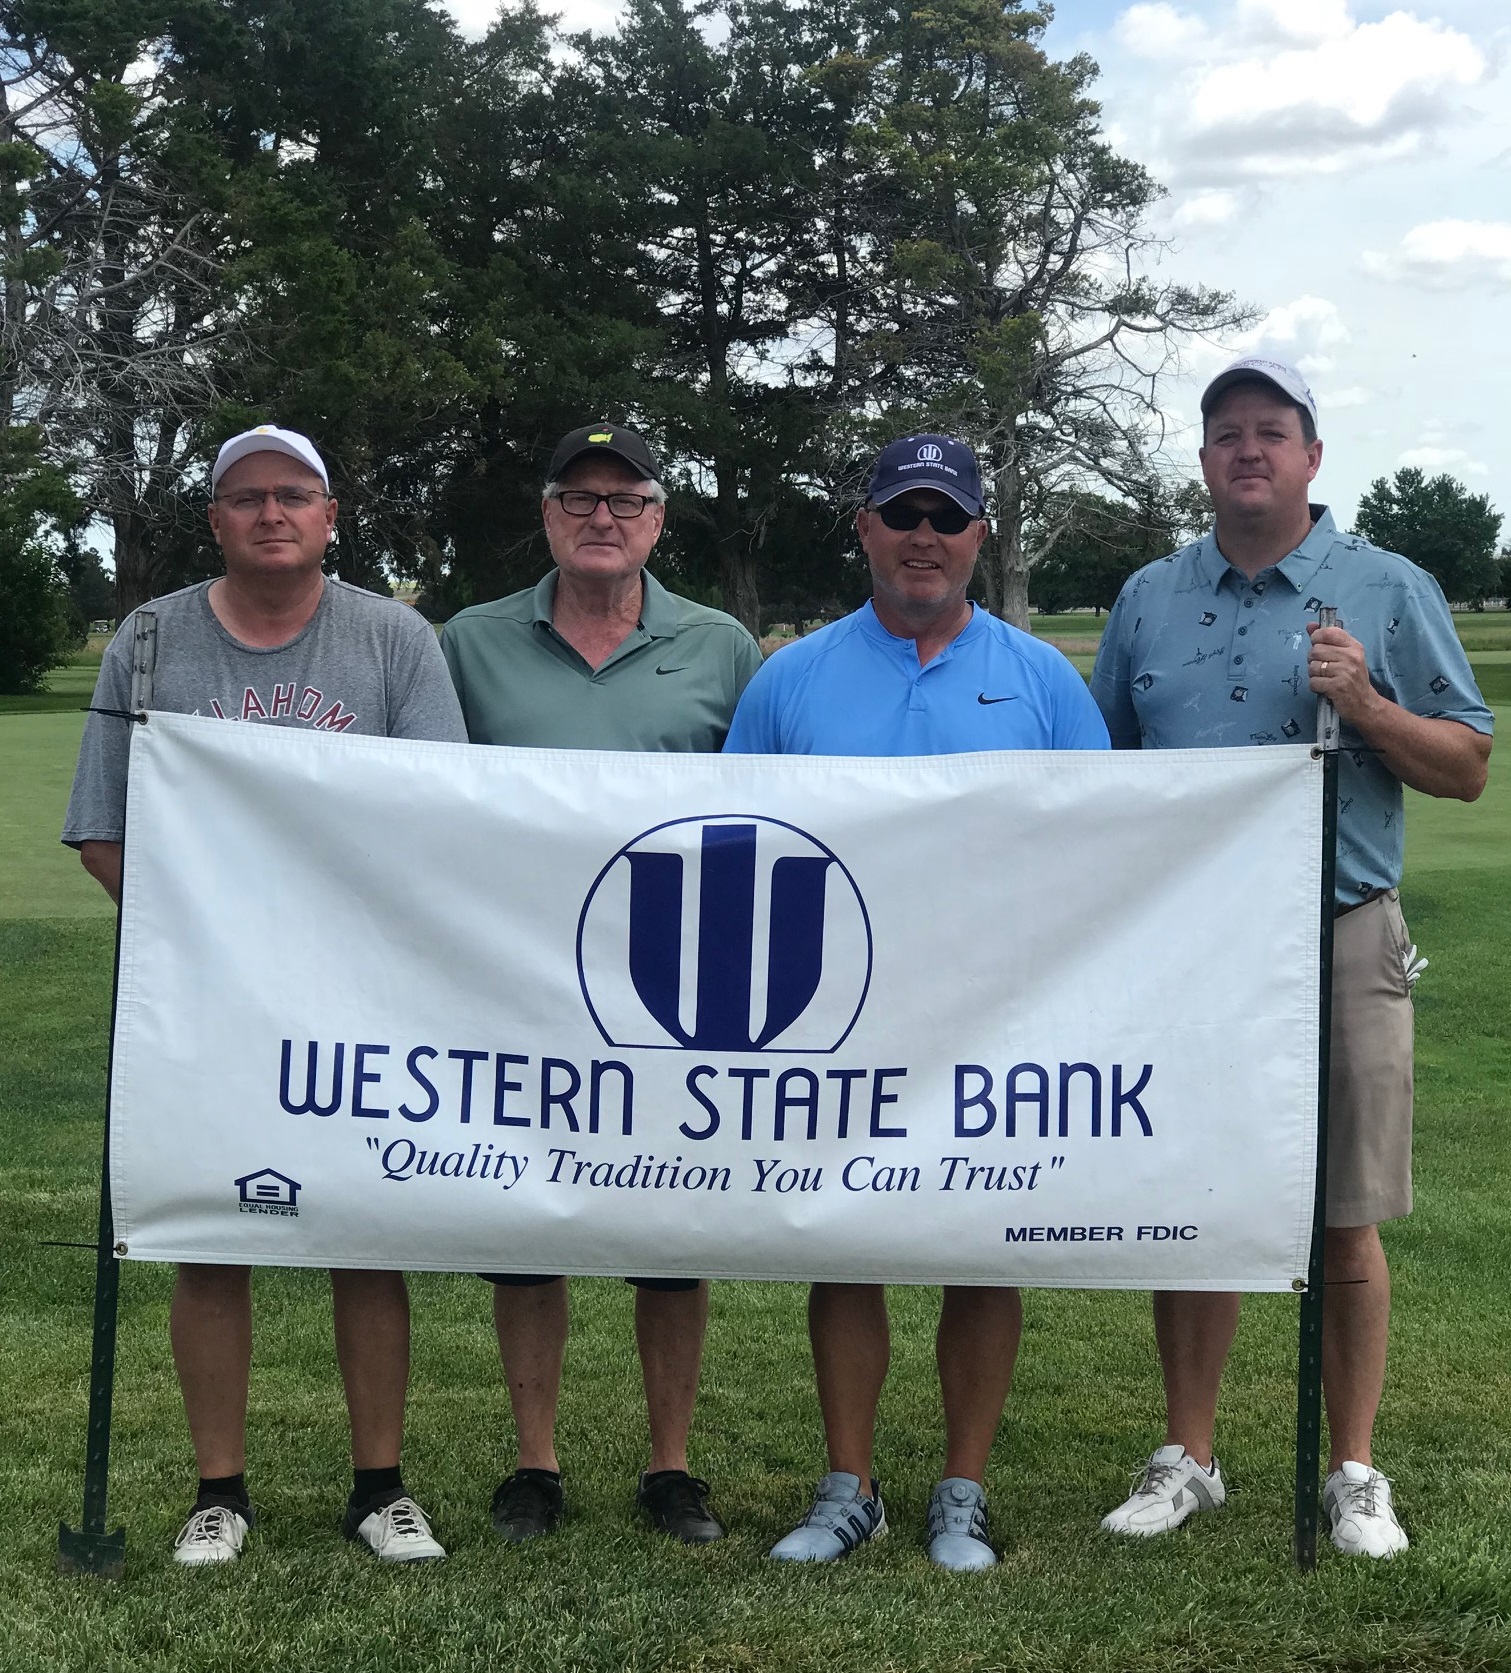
x,y
1008,1018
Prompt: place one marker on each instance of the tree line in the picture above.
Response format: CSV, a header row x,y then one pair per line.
x,y
769,233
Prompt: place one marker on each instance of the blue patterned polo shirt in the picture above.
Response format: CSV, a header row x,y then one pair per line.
x,y
1197,656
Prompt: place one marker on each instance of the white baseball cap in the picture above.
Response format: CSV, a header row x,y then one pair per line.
x,y
268,438
1281,373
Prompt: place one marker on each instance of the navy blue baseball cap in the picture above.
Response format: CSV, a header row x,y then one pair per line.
x,y
937,462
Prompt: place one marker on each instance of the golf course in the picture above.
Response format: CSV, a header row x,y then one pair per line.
x,y
605,1592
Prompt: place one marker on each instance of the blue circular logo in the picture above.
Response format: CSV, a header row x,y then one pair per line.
x,y
727,933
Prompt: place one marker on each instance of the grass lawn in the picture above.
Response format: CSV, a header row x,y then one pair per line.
x,y
605,1594
68,688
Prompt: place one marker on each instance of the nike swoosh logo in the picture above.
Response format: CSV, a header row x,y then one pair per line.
x,y
983,698
681,668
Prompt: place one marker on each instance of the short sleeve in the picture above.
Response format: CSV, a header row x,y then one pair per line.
x,y
424,700
97,805
1424,661
1111,686
1078,722
756,727
747,661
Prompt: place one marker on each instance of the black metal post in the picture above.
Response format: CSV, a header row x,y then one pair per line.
x,y
92,1548
1309,1356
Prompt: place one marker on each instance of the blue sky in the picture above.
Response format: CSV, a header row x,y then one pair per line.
x,y
1347,168
1344,166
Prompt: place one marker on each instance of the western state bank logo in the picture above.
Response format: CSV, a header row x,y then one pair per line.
x,y
729,933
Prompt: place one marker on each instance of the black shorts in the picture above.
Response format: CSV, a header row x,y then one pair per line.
x,y
530,1280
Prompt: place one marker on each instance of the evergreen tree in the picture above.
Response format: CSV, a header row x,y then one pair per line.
x,y
1014,274
36,625
1438,524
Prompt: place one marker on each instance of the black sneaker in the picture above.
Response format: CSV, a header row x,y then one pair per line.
x,y
528,1504
677,1504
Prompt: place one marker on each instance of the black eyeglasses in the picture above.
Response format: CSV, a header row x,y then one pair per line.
x,y
943,519
578,502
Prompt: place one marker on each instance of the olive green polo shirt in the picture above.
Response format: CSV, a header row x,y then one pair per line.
x,y
673,683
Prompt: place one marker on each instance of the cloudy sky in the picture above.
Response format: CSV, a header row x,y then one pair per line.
x,y
1345,166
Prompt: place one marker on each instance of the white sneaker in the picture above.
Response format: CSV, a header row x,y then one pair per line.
x,y
211,1535
959,1536
1357,1499
840,1519
398,1533
1172,1487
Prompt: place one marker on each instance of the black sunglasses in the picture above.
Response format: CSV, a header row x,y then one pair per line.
x,y
944,519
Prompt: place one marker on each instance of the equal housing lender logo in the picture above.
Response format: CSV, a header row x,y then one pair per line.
x,y
268,1192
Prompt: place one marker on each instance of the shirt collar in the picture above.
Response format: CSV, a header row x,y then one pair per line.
x,y
871,624
544,597
659,615
1296,567
658,610
1300,566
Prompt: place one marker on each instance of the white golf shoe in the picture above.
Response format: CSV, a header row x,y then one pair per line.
x,y
1172,1487
1357,1500
212,1534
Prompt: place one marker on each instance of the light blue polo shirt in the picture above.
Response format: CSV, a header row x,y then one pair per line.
x,y
852,688
1197,656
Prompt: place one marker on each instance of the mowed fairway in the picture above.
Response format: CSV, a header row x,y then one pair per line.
x,y
605,1594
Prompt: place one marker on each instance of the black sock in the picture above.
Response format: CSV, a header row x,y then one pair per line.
x,y
224,1487
368,1485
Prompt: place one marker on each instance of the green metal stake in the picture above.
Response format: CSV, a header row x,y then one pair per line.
x,y
91,1549
1309,1356
94,1549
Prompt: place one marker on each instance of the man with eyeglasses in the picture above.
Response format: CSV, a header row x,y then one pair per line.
x,y
277,642
919,670
599,655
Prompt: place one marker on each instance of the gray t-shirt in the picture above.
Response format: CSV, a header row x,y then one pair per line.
x,y
361,664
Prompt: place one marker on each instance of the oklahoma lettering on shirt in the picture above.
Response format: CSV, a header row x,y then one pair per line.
x,y
852,688
361,664
280,706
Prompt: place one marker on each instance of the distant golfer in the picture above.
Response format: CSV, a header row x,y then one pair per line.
x,y
599,655
919,670
1218,646
277,642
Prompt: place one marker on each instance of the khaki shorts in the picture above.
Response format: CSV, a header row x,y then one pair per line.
x,y
1369,1088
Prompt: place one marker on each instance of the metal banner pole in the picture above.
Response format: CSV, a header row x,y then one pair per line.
x,y
92,1549
1309,1356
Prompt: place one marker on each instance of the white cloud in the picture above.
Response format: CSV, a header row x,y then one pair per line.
x,y
1454,460
1206,209
1288,87
1305,332
1160,31
1353,395
475,17
1294,20
1447,254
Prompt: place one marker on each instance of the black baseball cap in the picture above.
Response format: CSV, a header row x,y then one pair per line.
x,y
612,439
928,461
